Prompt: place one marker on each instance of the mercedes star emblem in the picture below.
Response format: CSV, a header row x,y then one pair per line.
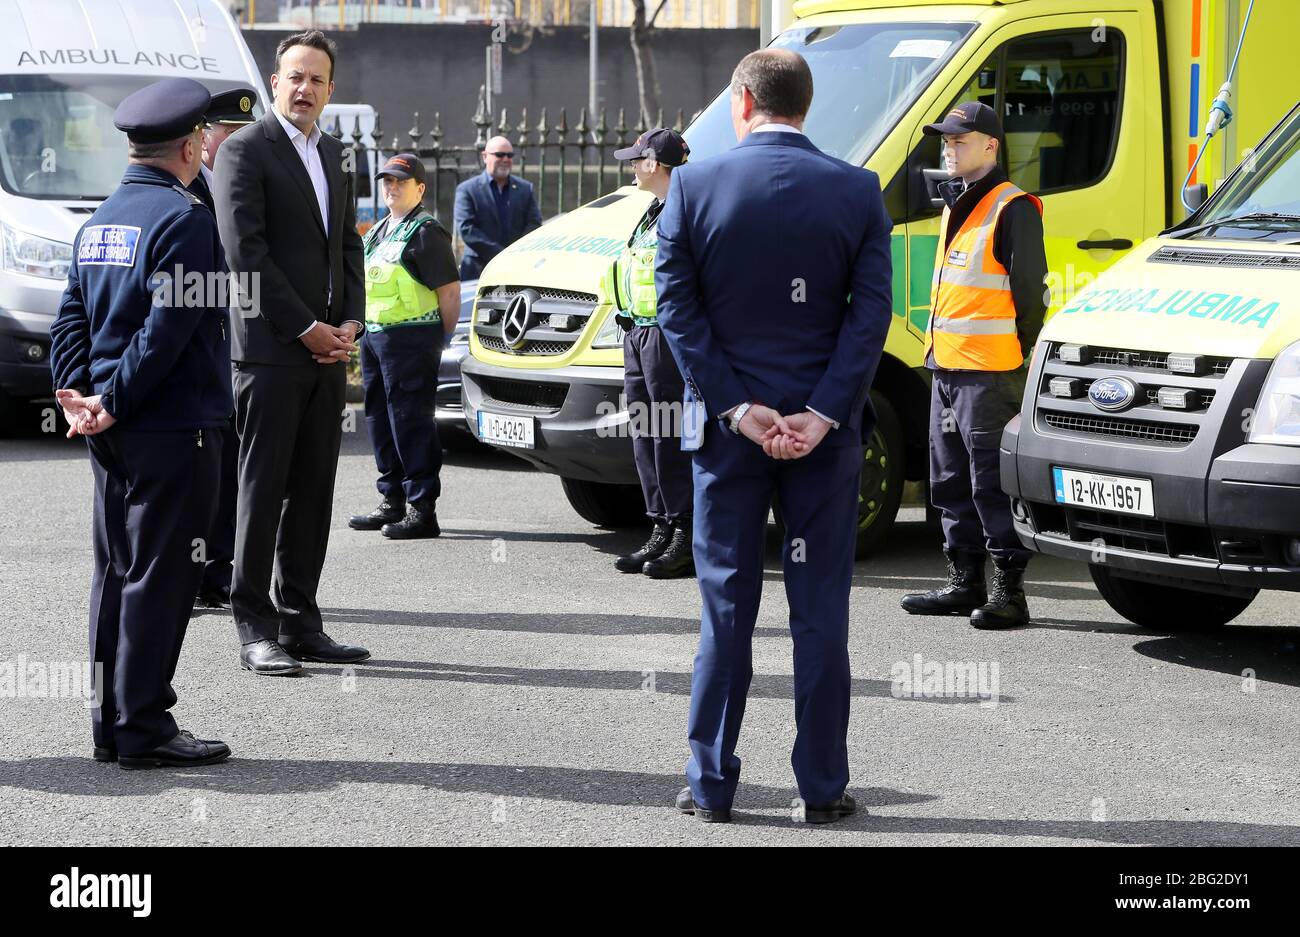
x,y
517,321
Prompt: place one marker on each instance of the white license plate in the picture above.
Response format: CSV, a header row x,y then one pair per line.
x,y
513,431
1103,492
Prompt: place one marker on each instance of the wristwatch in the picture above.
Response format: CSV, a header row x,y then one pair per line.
x,y
737,415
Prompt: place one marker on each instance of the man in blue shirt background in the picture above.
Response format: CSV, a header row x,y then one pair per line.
x,y
494,209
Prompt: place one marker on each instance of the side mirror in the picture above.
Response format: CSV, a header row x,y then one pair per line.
x,y
1196,195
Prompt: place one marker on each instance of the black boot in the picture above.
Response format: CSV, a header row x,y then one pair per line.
x,y
962,595
653,549
677,560
1006,607
421,522
388,512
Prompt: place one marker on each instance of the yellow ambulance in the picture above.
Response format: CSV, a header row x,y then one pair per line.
x,y
1159,440
1103,102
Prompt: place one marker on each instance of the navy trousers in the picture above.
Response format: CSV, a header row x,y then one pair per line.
x,y
153,502
399,368
221,539
734,483
968,411
654,389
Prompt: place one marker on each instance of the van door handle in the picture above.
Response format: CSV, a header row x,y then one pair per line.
x,y
1114,244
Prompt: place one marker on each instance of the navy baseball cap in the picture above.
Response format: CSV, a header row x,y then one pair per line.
x,y
232,107
165,110
972,116
665,145
403,166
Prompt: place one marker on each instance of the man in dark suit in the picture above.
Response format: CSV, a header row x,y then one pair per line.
x,y
494,209
287,217
773,277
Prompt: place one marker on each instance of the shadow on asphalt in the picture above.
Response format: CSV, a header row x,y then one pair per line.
x,y
1271,654
598,787
763,686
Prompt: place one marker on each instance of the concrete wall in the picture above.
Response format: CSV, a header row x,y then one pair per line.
x,y
403,69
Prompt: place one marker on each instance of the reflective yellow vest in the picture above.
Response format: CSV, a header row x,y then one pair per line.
x,y
393,295
630,280
972,315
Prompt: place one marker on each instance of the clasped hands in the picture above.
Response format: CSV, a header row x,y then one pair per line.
x,y
783,437
86,416
329,344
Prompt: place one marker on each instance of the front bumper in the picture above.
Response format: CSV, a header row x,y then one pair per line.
x,y
580,425
22,376
1227,511
448,409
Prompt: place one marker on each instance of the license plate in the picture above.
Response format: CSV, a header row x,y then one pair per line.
x,y
502,430
1103,492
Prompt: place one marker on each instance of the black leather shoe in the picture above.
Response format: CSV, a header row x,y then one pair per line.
x,y
686,804
319,647
109,753
677,560
388,512
963,593
213,598
653,549
268,657
420,523
829,814
183,751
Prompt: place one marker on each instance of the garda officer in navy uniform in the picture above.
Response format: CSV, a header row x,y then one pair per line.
x,y
650,375
987,310
228,112
145,377
412,306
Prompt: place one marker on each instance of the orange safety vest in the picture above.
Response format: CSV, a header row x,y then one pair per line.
x,y
972,315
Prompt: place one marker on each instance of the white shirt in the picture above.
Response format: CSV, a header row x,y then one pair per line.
x,y
308,151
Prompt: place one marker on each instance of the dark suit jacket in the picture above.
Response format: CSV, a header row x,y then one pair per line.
x,y
271,227
773,279
479,225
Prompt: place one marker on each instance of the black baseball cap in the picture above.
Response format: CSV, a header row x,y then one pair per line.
x,y
232,107
403,166
965,118
665,145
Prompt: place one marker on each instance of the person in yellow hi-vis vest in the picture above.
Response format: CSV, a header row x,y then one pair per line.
x,y
987,304
652,384
412,304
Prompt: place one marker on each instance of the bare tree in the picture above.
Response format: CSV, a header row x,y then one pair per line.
x,y
647,82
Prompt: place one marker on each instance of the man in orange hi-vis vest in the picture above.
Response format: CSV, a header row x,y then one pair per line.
x,y
986,310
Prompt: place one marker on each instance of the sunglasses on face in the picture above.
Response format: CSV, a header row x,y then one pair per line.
x,y
503,155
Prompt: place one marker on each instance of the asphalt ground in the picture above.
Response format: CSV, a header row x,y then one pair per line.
x,y
523,692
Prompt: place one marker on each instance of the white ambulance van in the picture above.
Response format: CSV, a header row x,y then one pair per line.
x,y
64,67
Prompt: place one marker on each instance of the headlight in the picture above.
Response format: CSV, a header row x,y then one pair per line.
x,y
35,256
610,334
1277,414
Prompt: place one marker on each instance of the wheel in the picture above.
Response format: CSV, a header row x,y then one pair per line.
x,y
881,489
882,478
606,505
1167,608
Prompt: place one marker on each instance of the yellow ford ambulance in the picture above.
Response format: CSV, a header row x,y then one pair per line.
x,y
1102,102
1159,440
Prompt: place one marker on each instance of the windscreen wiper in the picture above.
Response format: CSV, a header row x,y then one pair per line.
x,y
1242,221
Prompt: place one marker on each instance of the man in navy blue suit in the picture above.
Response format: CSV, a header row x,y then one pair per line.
x,y
773,278
494,209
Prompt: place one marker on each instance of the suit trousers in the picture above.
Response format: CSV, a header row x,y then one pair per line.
x,y
399,367
968,411
153,503
289,420
221,539
734,484
654,390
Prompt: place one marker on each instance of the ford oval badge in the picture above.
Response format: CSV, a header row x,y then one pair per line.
x,y
1112,393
